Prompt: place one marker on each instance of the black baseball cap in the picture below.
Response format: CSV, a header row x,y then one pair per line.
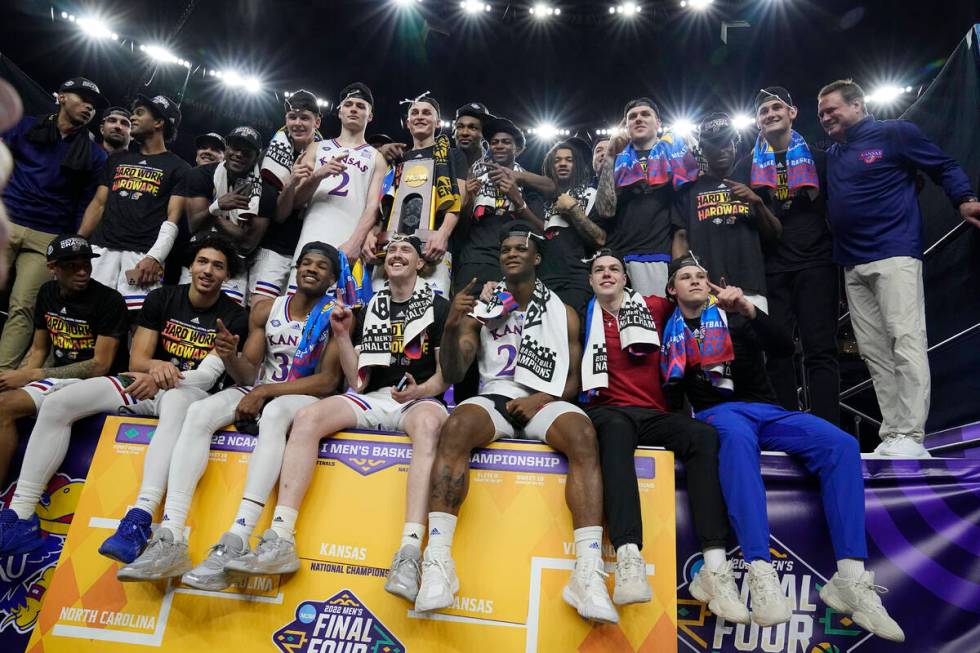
x,y
117,111
476,110
641,102
324,249
773,93
87,89
302,100
244,136
717,129
377,140
217,241
68,246
217,141
356,90
678,263
497,125
164,109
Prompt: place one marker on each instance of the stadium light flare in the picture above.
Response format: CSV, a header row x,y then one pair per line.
x,y
473,7
95,28
682,127
742,121
163,55
548,132
696,5
542,11
627,9
406,3
887,94
236,80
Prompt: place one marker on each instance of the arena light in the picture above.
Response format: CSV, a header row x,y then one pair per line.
x,y
696,5
473,7
163,55
742,121
682,127
95,28
548,132
611,131
888,94
406,3
322,103
627,9
541,11
234,79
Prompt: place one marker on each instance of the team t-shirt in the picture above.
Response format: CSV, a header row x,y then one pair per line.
x,y
73,322
563,252
187,334
140,186
723,233
421,368
642,224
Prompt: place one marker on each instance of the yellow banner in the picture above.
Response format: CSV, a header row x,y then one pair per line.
x,y
513,550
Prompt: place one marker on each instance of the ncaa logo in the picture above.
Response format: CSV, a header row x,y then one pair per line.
x,y
870,156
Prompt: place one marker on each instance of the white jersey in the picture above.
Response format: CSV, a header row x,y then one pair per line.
x,y
339,200
500,340
282,335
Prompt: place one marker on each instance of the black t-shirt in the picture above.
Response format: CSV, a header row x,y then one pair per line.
x,y
74,322
722,231
140,186
280,237
186,333
642,224
805,241
562,252
422,368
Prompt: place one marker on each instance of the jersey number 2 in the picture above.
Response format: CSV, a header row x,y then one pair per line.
x,y
511,352
341,189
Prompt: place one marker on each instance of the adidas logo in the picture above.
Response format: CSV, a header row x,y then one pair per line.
x,y
435,531
64,311
278,519
143,162
166,517
240,521
594,545
414,536
194,320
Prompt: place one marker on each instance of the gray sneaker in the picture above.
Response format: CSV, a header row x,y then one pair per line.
x,y
770,605
631,585
403,577
859,599
163,558
210,575
718,589
273,555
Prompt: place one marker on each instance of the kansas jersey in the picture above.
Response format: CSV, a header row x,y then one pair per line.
x,y
282,335
339,200
500,340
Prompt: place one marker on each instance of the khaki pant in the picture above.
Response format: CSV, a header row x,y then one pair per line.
x,y
27,254
889,318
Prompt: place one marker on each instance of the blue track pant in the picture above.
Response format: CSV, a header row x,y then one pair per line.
x,y
827,452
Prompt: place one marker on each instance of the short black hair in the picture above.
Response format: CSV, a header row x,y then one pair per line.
x,y
223,244
324,249
606,251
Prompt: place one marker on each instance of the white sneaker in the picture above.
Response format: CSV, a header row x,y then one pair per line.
x,y
632,585
884,448
210,575
586,592
439,583
906,447
403,577
769,605
163,558
718,589
859,599
272,555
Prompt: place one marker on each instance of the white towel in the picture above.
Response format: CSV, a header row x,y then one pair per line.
x,y
279,158
254,192
542,359
585,195
490,197
375,347
636,329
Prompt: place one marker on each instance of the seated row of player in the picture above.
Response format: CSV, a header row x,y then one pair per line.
x,y
707,344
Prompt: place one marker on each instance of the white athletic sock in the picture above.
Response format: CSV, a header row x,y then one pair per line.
x,y
284,522
588,542
149,499
412,534
714,558
249,512
26,496
175,513
850,568
625,549
442,527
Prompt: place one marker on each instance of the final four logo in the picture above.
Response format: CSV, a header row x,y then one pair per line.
x,y
341,624
813,628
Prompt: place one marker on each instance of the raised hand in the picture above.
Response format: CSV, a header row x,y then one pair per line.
x,y
225,342
731,299
743,193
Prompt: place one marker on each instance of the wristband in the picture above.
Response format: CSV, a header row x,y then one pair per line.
x,y
164,243
964,200
214,209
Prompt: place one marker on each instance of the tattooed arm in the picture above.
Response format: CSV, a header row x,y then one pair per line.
x,y
98,365
605,200
593,235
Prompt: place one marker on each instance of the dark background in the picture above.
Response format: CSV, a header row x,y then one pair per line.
x,y
576,70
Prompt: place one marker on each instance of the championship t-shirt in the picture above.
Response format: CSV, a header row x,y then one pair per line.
x,y
642,224
563,253
722,232
73,322
187,334
140,186
421,368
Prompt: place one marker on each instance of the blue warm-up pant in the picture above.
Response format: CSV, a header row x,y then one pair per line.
x,y
827,452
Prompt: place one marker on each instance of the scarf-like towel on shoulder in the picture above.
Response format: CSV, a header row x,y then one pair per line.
x,y
542,358
78,158
637,335
280,157
670,159
490,199
377,334
316,330
680,350
221,187
801,170
585,195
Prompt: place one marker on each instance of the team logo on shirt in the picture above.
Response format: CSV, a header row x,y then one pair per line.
x,y
134,180
341,623
870,156
69,336
719,207
186,343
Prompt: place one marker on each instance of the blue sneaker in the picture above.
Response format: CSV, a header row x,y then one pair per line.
x,y
129,540
19,535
